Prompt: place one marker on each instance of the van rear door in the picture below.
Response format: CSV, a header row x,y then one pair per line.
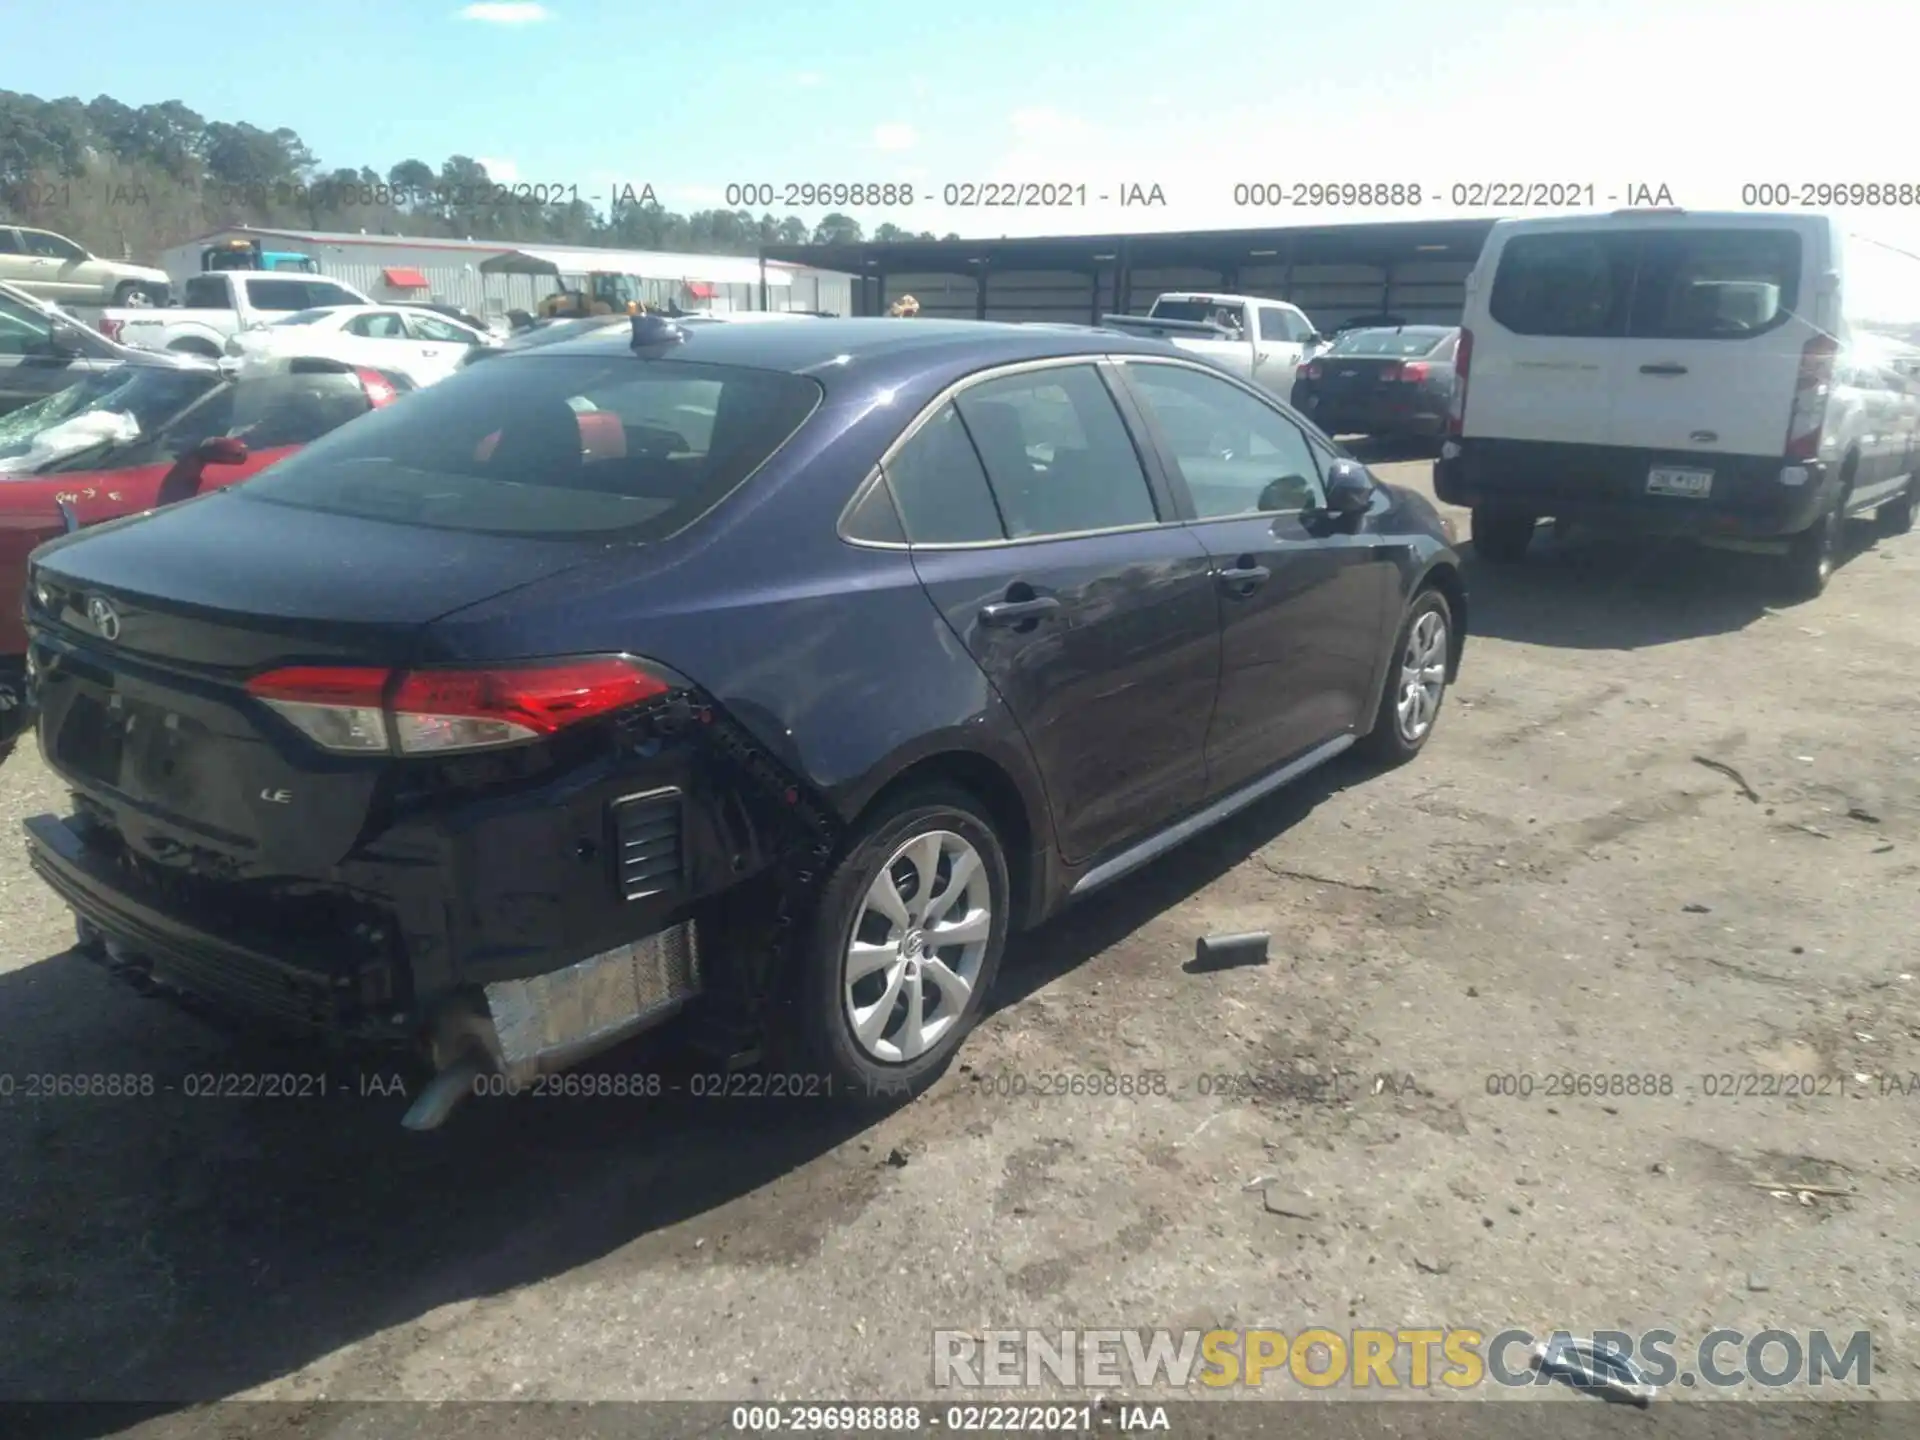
x,y
1717,330
1556,303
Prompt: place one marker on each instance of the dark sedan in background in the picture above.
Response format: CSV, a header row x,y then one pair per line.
x,y
835,652
1387,382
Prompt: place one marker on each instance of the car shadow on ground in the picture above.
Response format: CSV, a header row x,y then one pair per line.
x,y
1586,592
171,1249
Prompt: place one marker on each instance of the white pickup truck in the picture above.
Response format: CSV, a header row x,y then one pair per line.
x,y
1263,340
216,306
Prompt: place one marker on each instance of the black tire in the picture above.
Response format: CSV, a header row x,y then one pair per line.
x,y
1895,516
1391,742
6,748
133,293
817,1030
1813,553
1501,537
195,347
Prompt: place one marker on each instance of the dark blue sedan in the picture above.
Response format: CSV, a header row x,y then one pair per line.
x,y
773,673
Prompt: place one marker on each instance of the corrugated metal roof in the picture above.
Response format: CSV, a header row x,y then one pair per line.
x,y
575,253
647,264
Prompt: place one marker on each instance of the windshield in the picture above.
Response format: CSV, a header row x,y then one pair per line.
x,y
150,394
518,448
1401,343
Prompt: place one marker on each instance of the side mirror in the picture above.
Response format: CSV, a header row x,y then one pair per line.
x,y
62,342
222,450
1349,488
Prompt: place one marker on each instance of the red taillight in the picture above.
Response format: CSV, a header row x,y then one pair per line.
x,y
1413,372
110,328
379,389
1462,359
355,710
1313,370
1810,389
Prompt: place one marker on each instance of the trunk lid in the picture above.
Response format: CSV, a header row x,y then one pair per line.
x,y
145,631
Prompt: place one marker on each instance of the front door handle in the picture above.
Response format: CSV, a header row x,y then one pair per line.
x,y
1244,579
1016,612
1668,369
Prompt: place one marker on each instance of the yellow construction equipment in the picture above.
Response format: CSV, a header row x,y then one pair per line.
x,y
604,294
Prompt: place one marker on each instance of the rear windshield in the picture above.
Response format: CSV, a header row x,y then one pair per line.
x,y
1200,310
552,445
1649,284
1402,343
304,317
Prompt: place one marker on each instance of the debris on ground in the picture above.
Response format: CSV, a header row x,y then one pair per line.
x,y
1865,817
1223,952
1280,1203
897,1158
1432,1264
1693,909
1757,1283
1732,774
1586,1366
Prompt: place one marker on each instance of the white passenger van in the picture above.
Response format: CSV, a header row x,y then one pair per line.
x,y
1675,373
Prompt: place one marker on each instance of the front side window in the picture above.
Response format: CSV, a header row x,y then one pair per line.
x,y
1057,452
55,247
552,446
1237,455
438,331
23,329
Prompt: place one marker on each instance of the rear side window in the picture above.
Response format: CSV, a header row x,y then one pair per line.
x,y
940,487
1714,284
552,446
294,409
284,295
1567,284
1057,453
209,292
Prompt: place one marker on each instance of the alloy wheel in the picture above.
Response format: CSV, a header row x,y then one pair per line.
x,y
1423,676
917,947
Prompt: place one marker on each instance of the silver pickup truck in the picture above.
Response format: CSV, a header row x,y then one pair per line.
x,y
218,306
1263,340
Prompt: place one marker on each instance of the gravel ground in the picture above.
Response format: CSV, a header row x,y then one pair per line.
x,y
1558,885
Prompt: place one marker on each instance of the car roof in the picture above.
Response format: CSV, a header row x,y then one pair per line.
x,y
826,347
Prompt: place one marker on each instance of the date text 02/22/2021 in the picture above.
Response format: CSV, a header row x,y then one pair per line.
x,y
956,195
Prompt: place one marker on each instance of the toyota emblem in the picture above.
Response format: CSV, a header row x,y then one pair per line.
x,y
104,617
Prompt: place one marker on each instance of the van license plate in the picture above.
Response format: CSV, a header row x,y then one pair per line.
x,y
1695,484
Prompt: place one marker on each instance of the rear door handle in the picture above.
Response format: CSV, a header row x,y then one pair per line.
x,y
1013,612
1663,369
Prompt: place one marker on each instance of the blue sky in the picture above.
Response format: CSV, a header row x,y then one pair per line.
x,y
1703,96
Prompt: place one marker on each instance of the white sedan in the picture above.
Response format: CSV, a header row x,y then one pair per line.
x,y
417,343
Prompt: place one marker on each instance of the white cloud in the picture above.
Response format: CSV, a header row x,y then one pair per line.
x,y
807,79
506,12
894,136
499,168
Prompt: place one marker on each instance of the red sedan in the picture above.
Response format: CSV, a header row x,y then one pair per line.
x,y
143,436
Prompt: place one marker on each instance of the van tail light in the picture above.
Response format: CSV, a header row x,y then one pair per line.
x,y
353,710
1413,372
1810,390
1462,360
110,328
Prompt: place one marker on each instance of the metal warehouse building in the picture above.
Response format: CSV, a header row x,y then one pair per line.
x,y
491,277
1415,270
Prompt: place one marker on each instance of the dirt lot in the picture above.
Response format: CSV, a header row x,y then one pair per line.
x,y
1558,885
